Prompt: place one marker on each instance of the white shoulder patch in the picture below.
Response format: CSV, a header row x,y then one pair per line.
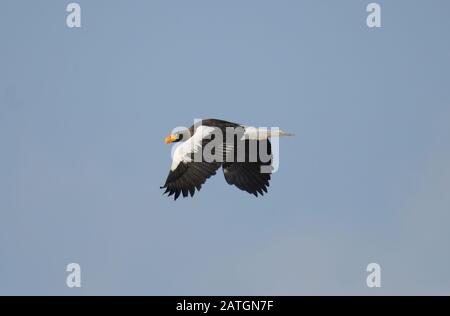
x,y
183,151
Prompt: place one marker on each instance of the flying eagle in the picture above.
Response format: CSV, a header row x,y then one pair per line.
x,y
245,157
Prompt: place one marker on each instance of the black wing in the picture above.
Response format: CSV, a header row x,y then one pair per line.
x,y
247,175
189,176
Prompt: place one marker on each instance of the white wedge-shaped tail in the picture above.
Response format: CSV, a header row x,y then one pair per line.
x,y
262,133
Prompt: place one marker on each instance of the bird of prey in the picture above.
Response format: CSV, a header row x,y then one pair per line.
x,y
243,152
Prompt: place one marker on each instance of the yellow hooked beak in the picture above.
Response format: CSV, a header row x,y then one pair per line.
x,y
170,139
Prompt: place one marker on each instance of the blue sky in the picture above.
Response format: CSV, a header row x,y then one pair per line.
x,y
83,114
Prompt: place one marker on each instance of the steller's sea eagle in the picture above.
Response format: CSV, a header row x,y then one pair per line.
x,y
243,152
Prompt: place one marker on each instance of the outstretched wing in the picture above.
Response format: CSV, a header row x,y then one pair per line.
x,y
189,176
186,174
252,177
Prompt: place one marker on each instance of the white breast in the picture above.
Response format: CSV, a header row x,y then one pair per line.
x,y
183,152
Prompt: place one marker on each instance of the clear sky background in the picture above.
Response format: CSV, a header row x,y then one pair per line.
x,y
83,114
